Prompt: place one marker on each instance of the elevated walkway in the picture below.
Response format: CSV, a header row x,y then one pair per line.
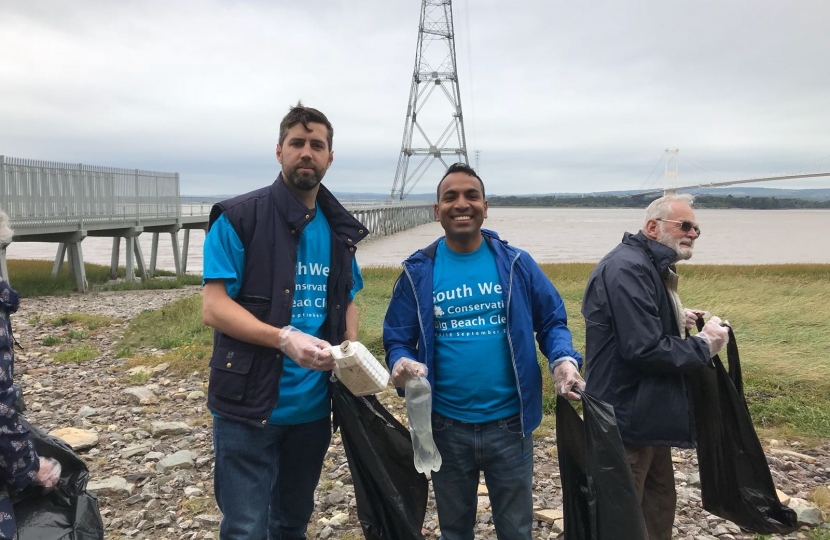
x,y
65,203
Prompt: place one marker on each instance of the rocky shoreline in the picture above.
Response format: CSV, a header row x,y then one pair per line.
x,y
149,446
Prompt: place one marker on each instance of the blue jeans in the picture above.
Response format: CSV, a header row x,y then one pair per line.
x,y
497,449
282,461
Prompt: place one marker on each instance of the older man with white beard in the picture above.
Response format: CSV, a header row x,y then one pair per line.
x,y
636,355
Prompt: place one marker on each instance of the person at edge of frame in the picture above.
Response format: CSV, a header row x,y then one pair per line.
x,y
463,314
636,354
280,278
20,464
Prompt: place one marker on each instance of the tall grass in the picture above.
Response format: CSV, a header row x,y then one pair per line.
x,y
32,278
780,314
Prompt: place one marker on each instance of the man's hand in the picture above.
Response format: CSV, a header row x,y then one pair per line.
x,y
692,315
48,475
406,369
306,350
714,335
566,377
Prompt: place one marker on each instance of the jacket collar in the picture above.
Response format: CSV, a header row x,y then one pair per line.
x,y
662,256
491,237
297,216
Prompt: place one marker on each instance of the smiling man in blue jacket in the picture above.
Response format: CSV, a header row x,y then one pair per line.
x,y
464,313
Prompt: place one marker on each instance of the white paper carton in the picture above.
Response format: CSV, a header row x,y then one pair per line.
x,y
358,369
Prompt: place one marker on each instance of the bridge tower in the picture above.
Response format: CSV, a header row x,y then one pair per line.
x,y
433,129
670,175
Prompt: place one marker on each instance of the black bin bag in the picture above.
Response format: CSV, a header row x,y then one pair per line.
x,y
391,495
735,481
69,512
598,497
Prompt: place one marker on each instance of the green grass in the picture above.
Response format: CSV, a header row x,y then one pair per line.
x,y
33,278
77,335
48,341
781,317
87,320
77,354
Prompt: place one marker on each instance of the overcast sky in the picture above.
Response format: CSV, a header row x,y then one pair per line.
x,y
558,96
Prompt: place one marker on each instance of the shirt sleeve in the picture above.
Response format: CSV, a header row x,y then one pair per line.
x,y
224,256
358,280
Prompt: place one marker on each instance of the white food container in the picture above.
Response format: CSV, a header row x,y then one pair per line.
x,y
358,369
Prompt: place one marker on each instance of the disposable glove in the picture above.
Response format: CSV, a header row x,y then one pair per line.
x,y
405,369
566,377
306,350
714,335
48,475
692,315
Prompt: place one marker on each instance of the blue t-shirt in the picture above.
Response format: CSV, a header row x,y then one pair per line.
x,y
474,376
303,392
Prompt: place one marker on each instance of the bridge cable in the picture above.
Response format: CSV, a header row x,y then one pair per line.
x,y
652,170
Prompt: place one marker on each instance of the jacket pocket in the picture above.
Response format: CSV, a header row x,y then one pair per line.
x,y
230,365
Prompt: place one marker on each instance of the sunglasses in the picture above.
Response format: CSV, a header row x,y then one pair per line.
x,y
685,226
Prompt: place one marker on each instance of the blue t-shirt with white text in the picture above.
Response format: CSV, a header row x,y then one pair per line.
x,y
303,392
474,375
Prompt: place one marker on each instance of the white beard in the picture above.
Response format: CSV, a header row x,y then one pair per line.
x,y
684,252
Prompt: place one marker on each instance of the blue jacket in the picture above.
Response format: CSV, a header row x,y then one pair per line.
x,y
532,304
637,360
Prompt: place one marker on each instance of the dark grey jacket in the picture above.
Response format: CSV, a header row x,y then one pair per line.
x,y
635,358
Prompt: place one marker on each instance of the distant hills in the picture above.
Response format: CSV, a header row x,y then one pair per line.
x,y
819,195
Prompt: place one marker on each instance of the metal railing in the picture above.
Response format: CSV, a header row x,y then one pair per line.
x,y
36,193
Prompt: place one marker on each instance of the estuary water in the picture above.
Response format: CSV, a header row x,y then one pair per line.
x,y
555,235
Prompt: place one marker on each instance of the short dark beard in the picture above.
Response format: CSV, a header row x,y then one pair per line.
x,y
305,182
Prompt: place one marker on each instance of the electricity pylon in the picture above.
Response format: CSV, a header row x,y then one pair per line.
x,y
435,69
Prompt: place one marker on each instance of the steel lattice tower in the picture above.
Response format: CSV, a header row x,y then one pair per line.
x,y
435,69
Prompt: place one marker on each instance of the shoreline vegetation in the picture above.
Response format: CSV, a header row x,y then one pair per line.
x,y
641,201
780,314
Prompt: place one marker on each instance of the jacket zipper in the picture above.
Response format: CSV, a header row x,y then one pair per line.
x,y
417,306
510,343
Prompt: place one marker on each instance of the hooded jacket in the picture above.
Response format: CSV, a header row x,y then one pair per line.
x,y
532,305
636,359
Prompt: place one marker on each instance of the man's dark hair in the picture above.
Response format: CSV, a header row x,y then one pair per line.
x,y
300,114
462,168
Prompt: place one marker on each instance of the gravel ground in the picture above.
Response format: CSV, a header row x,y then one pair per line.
x,y
149,448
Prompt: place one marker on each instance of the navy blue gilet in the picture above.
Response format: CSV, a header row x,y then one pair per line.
x,y
244,378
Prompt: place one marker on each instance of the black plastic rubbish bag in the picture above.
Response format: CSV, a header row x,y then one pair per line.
x,y
598,496
391,495
69,512
735,481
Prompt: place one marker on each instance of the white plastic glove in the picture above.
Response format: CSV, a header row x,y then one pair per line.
x,y
306,350
692,315
714,335
405,369
48,475
566,376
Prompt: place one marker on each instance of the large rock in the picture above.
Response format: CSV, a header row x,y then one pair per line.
x,y
113,486
182,459
78,439
548,515
135,450
811,517
157,429
139,394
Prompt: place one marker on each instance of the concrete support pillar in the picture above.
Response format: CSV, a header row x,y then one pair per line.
x,y
116,253
177,263
76,265
185,246
59,256
154,251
